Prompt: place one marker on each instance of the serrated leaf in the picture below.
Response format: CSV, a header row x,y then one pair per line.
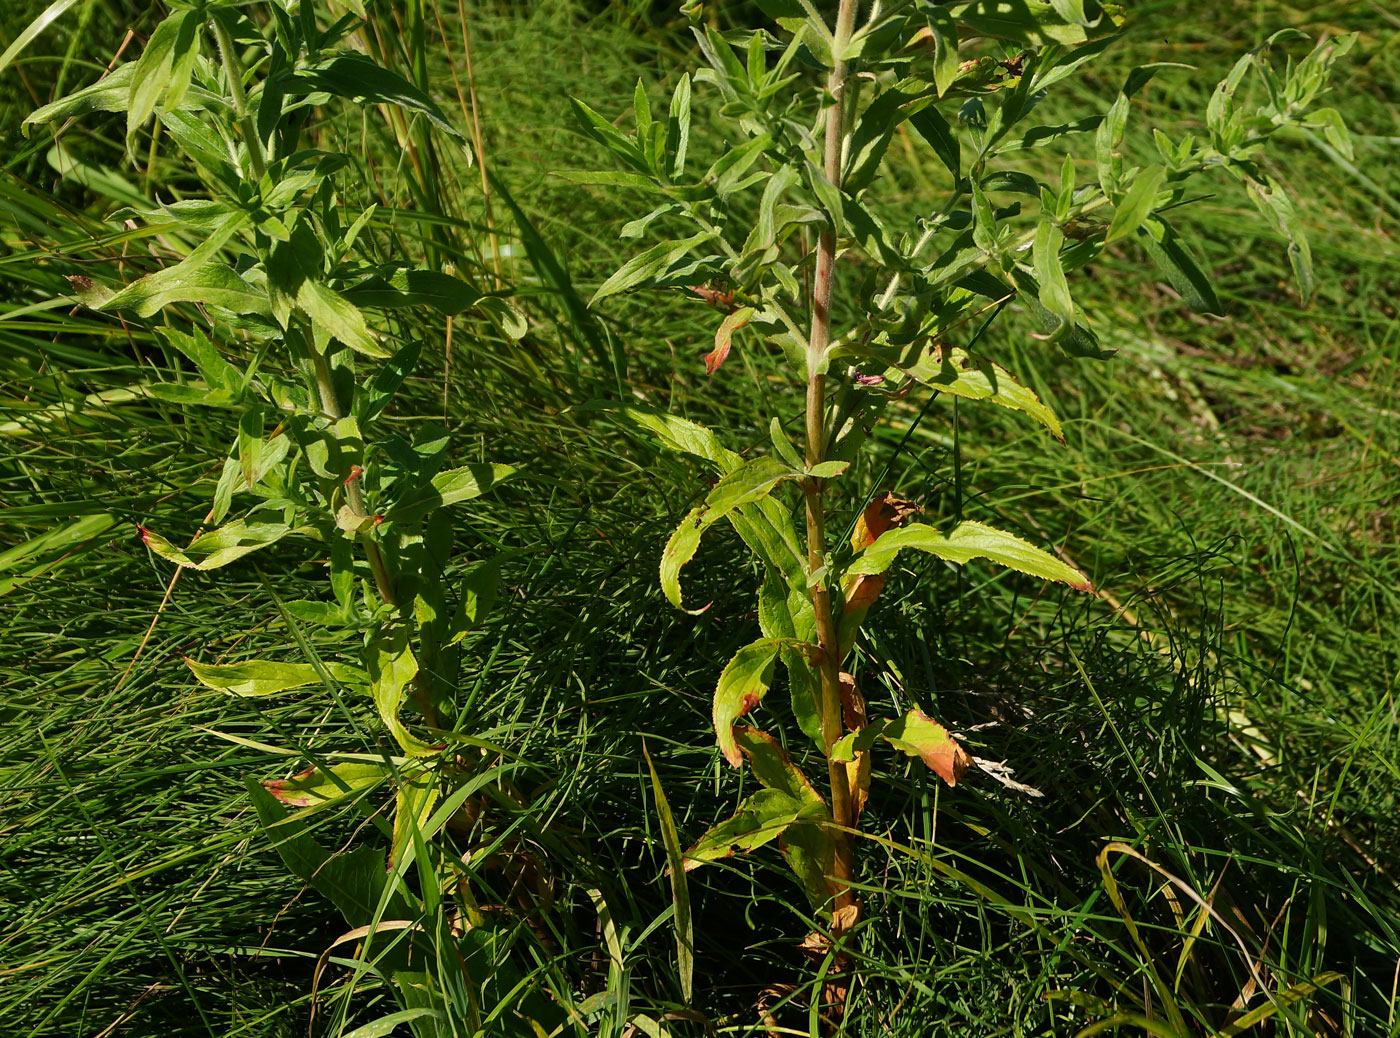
x,y
956,372
965,542
751,482
109,94
917,735
331,311
742,685
760,819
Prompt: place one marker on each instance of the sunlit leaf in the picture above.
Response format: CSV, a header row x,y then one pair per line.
x,y
965,542
268,677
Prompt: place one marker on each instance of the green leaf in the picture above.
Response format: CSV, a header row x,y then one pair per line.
x,y
1269,198
609,136
681,434
255,678
1175,260
1136,206
1054,286
359,78
392,670
315,786
760,819
443,292
774,769
354,881
678,127
648,266
945,44
218,547
742,685
415,799
751,482
934,129
109,94
956,372
153,69
964,542
680,888
450,488
331,311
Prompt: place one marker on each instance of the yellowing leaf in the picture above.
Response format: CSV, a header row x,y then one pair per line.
x,y
724,336
314,786
964,542
742,685
267,677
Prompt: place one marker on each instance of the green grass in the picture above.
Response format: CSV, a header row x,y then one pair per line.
x,y
1227,708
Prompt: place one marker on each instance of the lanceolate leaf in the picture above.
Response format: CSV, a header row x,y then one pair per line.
x,y
650,265
964,542
218,547
760,819
742,685
1136,206
361,78
959,374
267,677
314,786
751,482
392,669
681,434
1174,259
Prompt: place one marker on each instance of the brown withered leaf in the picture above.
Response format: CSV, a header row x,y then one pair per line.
x,y
884,512
858,769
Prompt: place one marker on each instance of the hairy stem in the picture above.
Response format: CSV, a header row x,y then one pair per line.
x,y
817,343
233,68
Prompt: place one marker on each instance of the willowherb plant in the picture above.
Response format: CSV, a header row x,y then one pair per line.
x,y
270,302
789,214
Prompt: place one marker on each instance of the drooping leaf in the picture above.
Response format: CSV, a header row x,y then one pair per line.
x,y
681,434
393,668
742,685
268,677
217,547
966,541
751,482
1175,260
361,78
723,337
1273,202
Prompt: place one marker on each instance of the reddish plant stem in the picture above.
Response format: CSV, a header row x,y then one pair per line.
x,y
822,282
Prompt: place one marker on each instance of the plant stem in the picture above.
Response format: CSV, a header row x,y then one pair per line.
x,y
325,388
233,68
823,277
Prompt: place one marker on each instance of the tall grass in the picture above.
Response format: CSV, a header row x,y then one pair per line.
x,y
1227,708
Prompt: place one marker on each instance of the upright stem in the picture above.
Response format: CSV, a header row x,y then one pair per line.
x,y
233,68
820,337
325,388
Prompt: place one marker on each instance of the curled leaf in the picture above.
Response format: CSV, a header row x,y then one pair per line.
x,y
724,336
968,541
